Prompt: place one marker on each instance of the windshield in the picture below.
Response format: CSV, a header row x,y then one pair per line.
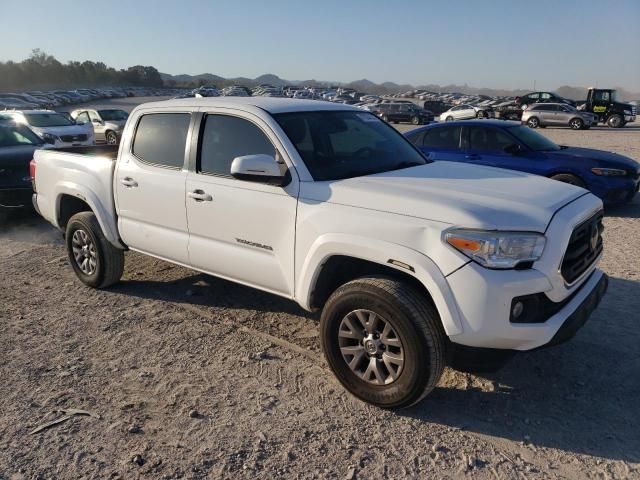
x,y
15,135
533,139
47,120
113,115
346,144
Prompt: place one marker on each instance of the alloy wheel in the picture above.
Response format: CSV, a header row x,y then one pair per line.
x,y
371,347
84,252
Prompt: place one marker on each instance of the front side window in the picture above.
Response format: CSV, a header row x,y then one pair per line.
x,y
160,139
488,139
533,139
113,115
346,144
82,118
443,137
224,138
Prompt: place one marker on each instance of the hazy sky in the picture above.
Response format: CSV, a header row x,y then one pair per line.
x,y
484,43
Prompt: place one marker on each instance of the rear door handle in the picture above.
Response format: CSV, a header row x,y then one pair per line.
x,y
200,196
129,182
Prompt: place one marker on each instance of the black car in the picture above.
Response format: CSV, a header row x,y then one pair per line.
x,y
403,112
17,144
540,97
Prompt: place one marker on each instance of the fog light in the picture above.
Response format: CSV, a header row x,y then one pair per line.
x,y
517,310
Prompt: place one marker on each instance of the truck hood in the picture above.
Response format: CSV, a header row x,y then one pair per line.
x,y
599,158
65,130
454,193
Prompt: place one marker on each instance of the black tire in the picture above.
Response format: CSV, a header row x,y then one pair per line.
x,y
416,120
417,325
568,178
576,124
385,118
481,114
109,261
615,121
533,122
111,138
449,119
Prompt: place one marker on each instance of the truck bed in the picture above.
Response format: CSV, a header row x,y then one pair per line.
x,y
109,151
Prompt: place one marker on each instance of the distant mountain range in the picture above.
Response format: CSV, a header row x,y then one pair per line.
x,y
367,86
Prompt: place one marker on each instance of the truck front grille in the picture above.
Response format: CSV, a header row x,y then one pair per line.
x,y
74,138
585,246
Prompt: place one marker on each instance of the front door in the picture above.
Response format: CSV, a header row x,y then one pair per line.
x,y
150,187
99,129
240,230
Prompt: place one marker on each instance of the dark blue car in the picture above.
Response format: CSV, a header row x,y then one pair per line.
x,y
497,143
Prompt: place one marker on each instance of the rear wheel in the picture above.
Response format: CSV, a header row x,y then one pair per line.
x,y
96,262
568,178
383,340
615,121
533,122
415,120
449,119
576,124
481,114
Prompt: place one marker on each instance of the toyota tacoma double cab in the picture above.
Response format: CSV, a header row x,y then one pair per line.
x,y
412,263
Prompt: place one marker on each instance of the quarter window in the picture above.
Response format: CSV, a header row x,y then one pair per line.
x,y
225,138
161,139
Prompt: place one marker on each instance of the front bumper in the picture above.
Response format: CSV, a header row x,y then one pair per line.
x,y
629,118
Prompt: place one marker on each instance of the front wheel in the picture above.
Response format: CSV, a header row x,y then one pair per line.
x,y
481,114
615,121
96,262
576,124
533,122
383,340
415,120
568,178
449,119
112,138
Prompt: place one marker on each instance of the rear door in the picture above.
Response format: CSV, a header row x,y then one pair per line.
x,y
150,186
442,143
240,230
485,145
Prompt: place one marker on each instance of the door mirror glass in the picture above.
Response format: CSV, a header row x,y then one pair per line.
x,y
259,168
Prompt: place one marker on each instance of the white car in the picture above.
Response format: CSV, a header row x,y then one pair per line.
x,y
107,123
412,263
466,112
54,128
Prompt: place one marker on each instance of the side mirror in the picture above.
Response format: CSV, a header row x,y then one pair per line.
x,y
514,149
259,168
49,140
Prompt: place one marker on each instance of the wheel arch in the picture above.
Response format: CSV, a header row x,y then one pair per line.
x,y
72,198
334,261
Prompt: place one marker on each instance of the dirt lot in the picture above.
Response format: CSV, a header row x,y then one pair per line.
x,y
195,377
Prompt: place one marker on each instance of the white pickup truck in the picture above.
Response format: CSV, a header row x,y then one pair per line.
x,y
413,263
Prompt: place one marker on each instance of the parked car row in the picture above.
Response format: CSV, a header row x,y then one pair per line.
x,y
33,100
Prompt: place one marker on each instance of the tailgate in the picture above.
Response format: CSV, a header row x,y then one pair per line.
x,y
14,167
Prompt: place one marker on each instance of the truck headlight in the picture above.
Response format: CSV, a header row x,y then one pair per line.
x,y
609,172
496,249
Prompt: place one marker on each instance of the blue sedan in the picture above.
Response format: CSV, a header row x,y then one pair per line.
x,y
497,143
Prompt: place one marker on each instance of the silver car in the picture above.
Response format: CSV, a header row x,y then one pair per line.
x,y
557,115
108,123
466,112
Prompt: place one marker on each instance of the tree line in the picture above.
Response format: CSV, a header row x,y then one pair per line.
x,y
43,71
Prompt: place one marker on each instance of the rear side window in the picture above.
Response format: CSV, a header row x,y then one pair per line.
x,y
161,138
225,138
488,139
442,137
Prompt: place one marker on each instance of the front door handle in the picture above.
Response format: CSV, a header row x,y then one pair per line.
x,y
200,196
472,156
129,182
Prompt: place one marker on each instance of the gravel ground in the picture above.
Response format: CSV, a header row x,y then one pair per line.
x,y
189,376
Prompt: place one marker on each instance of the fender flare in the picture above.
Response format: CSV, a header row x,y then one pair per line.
x,y
103,215
377,251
